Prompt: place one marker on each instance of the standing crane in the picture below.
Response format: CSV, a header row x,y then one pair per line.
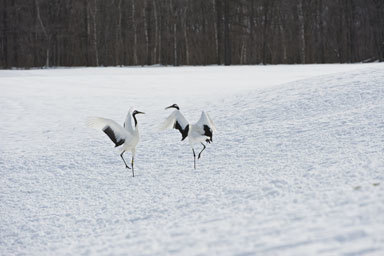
x,y
125,138
198,133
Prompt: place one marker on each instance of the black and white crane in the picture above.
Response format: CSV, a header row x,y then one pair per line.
x,y
197,133
125,138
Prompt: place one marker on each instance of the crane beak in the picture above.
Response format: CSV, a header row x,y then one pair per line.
x,y
139,112
169,107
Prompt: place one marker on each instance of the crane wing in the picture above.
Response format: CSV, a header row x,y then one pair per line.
x,y
212,124
205,126
177,121
205,119
113,130
128,122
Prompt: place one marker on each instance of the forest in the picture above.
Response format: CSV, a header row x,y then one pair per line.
x,y
52,33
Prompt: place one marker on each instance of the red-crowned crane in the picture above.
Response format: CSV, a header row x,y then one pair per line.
x,y
197,133
125,138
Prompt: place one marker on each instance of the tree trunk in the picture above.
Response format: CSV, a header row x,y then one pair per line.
x,y
47,37
283,41
159,38
301,30
219,22
5,41
265,31
321,31
95,34
227,42
174,26
175,61
186,36
118,48
351,22
243,52
147,31
156,32
215,30
134,33
88,32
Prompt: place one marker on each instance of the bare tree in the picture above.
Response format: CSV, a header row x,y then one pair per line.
x,y
44,33
94,16
227,40
301,29
47,36
119,43
134,26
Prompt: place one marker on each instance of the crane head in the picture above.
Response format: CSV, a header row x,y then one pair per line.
x,y
173,106
137,112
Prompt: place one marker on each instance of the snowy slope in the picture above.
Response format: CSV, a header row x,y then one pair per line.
x,y
296,168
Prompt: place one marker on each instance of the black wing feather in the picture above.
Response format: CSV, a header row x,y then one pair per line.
x,y
184,132
208,133
112,136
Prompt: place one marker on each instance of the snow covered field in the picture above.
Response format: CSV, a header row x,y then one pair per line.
x,y
296,168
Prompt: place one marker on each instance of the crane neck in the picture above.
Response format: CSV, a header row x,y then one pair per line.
x,y
134,118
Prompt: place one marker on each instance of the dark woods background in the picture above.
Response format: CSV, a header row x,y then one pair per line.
x,y
36,33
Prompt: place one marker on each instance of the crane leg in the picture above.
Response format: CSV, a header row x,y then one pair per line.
x,y
121,155
194,159
133,172
201,150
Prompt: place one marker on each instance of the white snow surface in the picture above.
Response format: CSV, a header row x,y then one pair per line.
x,y
295,168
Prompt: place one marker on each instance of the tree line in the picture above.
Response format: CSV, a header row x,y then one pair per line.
x,y
46,33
